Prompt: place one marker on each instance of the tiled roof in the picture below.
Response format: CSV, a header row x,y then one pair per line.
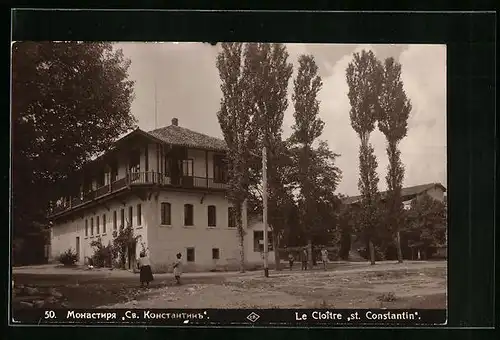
x,y
405,192
177,135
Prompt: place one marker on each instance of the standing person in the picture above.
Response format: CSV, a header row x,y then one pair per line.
x,y
304,259
324,257
146,275
290,260
178,269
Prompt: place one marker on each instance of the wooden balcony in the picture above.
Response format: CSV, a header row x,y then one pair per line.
x,y
139,179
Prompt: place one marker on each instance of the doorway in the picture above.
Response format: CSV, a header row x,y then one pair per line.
x,y
131,252
78,248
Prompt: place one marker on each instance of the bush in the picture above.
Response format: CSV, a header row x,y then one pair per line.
x,y
102,256
365,253
68,258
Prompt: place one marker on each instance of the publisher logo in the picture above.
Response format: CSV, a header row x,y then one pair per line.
x,y
253,317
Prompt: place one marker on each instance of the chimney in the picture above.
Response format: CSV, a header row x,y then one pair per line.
x,y
175,122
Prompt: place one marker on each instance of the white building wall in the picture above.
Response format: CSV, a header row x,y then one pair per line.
x,y
64,234
253,256
167,241
436,193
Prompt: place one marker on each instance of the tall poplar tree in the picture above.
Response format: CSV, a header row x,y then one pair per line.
x,y
393,113
271,73
363,79
316,174
236,121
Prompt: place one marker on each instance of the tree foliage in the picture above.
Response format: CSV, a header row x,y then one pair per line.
x,y
394,110
70,101
426,222
124,241
316,175
236,119
270,72
363,75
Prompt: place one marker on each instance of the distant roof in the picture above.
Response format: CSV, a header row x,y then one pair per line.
x,y
177,135
405,192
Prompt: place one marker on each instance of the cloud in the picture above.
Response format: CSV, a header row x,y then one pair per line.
x,y
188,88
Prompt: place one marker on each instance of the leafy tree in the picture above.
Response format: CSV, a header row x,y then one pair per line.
x,y
271,72
235,117
70,101
364,87
393,113
426,223
103,255
316,174
124,241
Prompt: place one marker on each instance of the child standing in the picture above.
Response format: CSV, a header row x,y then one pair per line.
x,y
178,269
146,275
324,257
290,260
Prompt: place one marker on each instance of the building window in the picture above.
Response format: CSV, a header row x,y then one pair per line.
x,y
86,228
91,226
188,215
187,167
115,220
135,161
258,241
220,169
165,214
130,216
215,253
231,217
212,217
101,178
190,254
139,215
104,223
97,227
114,172
122,218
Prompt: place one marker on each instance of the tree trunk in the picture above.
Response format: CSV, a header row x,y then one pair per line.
x,y
310,252
241,236
398,247
242,254
372,252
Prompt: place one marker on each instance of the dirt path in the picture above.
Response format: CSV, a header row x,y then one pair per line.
x,y
421,285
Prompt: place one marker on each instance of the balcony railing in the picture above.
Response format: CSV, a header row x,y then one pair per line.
x,y
139,178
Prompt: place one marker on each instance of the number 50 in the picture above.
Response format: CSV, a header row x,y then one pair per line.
x,y
50,314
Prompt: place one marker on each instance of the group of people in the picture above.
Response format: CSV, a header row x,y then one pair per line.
x,y
304,258
146,274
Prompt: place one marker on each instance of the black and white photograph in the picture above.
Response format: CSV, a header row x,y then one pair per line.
x,y
236,175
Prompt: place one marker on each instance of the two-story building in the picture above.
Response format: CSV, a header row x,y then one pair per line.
x,y
169,184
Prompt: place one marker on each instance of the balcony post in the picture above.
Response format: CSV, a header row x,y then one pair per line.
x,y
146,161
206,166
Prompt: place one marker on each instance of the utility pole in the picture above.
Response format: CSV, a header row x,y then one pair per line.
x,y
264,203
156,109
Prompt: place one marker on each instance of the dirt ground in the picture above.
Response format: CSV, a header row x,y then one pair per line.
x,y
385,285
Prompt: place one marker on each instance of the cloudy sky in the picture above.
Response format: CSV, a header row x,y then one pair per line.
x,y
188,83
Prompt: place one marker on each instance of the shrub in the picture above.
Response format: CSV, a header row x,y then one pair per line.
x,y
102,256
68,258
365,253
